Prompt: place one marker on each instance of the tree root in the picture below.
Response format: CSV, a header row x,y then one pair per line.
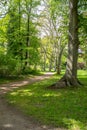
x,y
65,82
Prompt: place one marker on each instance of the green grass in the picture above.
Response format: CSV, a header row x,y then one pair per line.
x,y
62,108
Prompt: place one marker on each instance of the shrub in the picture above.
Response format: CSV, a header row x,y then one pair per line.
x,y
8,65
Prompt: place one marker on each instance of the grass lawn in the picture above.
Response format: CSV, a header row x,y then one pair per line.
x,y
63,107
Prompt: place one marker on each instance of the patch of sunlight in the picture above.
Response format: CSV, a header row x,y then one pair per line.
x,y
82,72
8,125
52,94
14,93
12,102
26,92
73,124
22,93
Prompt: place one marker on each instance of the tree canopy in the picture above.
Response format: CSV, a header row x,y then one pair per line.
x,y
40,35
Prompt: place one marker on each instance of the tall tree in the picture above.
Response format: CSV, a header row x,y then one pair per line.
x,y
70,76
14,28
54,26
28,9
31,28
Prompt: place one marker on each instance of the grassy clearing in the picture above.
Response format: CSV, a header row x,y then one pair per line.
x,y
63,107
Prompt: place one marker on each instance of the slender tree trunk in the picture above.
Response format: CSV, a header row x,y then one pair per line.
x,y
59,61
56,58
85,55
44,65
29,8
50,64
20,50
27,43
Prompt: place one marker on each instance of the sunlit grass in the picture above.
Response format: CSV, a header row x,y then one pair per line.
x,y
63,107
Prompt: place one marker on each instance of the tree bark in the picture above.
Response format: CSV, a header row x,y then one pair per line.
x,y
27,43
44,64
20,43
59,61
70,76
29,8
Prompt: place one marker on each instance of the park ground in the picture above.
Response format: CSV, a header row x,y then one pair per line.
x,y
30,105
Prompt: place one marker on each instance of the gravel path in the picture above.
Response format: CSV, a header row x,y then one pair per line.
x,y
11,118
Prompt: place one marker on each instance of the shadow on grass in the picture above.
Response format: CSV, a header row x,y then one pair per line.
x,y
9,79
83,80
62,107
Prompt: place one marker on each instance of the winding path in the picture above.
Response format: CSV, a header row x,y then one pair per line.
x,y
11,118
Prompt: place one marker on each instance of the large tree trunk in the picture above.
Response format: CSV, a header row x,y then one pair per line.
x,y
70,77
71,67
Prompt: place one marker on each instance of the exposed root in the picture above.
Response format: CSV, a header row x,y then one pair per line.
x,y
65,82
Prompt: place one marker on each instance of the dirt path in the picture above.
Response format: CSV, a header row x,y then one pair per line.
x,y
4,88
12,119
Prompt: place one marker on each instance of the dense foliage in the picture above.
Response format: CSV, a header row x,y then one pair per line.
x,y
34,35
